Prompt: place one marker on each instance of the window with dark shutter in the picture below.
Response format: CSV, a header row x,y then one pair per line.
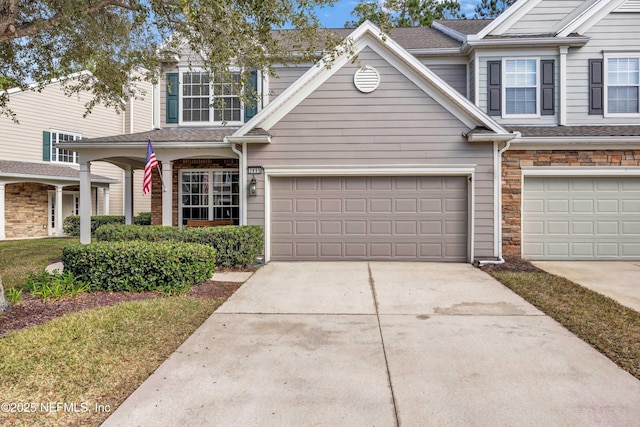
x,y
251,107
46,146
494,88
172,98
596,87
547,96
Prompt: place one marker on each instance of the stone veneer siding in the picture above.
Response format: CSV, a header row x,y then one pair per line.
x,y
26,206
514,160
156,185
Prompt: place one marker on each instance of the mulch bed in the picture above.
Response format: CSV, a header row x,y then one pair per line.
x,y
33,311
516,265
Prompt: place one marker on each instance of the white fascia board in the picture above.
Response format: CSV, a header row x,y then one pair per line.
x,y
436,52
8,178
582,171
250,139
368,35
590,17
138,145
532,42
508,18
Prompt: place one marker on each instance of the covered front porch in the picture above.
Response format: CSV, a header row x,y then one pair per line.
x,y
201,175
35,198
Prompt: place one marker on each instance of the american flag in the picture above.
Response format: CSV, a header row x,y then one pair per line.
x,y
151,164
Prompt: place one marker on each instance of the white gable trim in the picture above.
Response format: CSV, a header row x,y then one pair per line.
x,y
368,35
507,19
590,17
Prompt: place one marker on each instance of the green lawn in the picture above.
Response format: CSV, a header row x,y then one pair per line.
x,y
20,257
94,358
606,325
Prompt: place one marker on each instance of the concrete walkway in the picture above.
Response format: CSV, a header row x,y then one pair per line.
x,y
381,344
619,280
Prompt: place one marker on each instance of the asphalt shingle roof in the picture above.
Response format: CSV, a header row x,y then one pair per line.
x,y
45,170
407,37
172,135
575,131
466,26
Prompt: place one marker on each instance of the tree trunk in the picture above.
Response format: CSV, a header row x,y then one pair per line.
x,y
4,305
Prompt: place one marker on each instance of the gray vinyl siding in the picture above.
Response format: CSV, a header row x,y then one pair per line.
x,y
482,86
397,124
616,32
454,74
545,17
285,76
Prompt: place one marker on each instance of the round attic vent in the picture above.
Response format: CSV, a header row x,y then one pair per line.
x,y
366,79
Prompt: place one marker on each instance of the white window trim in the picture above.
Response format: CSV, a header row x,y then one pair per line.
x,y
211,122
622,55
76,157
506,115
210,206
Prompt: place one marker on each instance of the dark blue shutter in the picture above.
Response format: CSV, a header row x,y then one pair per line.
x,y
172,98
547,88
596,87
251,107
46,146
494,88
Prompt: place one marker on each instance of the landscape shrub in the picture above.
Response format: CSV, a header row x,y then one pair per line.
x,y
236,246
71,224
54,285
140,266
143,218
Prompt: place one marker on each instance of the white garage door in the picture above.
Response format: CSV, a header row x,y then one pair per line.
x,y
375,218
581,218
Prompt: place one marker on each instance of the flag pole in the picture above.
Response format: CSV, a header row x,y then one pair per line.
x,y
164,188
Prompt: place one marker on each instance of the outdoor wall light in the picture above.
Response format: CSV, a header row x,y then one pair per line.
x,y
252,187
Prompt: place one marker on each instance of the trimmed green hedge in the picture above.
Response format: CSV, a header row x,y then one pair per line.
x,y
71,225
143,218
140,266
236,246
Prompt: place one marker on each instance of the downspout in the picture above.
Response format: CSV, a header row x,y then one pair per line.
x,y
241,161
500,259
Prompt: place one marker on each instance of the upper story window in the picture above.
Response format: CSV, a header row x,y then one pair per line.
x,y
623,85
62,155
521,87
208,101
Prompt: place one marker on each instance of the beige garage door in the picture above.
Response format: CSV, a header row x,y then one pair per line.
x,y
369,218
581,218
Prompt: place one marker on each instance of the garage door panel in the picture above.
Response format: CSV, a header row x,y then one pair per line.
x,y
406,205
600,224
386,221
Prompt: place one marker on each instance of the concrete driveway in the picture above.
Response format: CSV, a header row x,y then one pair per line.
x,y
619,280
381,344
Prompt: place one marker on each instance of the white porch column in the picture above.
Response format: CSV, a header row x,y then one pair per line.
x,y
85,202
105,194
167,193
3,234
128,196
58,211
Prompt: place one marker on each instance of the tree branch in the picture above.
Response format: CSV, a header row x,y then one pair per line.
x,y
10,29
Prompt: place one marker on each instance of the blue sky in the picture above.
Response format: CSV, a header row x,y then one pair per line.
x,y
336,16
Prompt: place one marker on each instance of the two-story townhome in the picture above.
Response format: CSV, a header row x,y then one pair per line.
x,y
39,182
465,141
